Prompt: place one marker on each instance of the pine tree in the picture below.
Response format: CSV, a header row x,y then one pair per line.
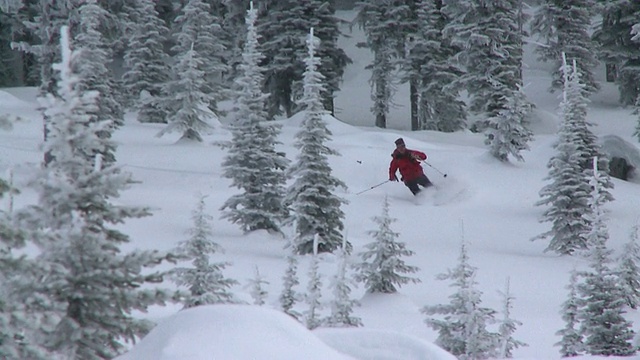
x,y
316,209
19,329
635,31
146,62
283,26
95,74
508,327
252,163
189,110
199,26
463,329
258,292
489,39
490,43
605,330
382,38
616,47
508,132
574,109
288,296
629,269
8,76
342,304
382,266
205,280
235,30
314,290
571,339
569,191
431,55
390,27
563,26
42,21
90,286
198,64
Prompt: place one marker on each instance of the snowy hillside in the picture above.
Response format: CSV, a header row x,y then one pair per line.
x,y
488,203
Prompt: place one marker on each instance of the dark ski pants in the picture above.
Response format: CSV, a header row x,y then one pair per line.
x,y
421,180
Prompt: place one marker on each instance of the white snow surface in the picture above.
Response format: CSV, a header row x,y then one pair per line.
x,y
487,202
362,343
231,332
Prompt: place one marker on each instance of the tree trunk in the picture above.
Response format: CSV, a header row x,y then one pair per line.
x,y
379,106
611,72
413,98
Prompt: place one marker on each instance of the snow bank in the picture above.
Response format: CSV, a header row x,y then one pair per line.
x,y
231,332
10,101
615,146
364,343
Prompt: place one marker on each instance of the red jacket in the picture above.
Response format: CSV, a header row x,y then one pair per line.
x,y
409,167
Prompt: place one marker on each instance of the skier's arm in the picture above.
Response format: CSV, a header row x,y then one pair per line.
x,y
393,167
418,155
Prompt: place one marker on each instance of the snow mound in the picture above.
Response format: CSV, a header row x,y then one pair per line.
x,y
236,332
11,102
381,344
337,127
615,146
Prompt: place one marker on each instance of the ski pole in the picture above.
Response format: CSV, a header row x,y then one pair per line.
x,y
434,168
373,187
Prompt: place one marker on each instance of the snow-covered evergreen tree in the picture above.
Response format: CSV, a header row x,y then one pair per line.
x,y
342,304
635,31
573,109
188,109
205,280
198,64
288,296
430,56
462,327
314,290
490,43
283,26
252,163
629,268
96,75
91,286
315,207
146,62
382,266
258,292
507,327
19,328
616,47
564,26
382,38
507,133
571,339
199,27
42,21
605,330
569,191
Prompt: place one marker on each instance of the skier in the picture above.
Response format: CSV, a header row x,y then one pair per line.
x,y
408,162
